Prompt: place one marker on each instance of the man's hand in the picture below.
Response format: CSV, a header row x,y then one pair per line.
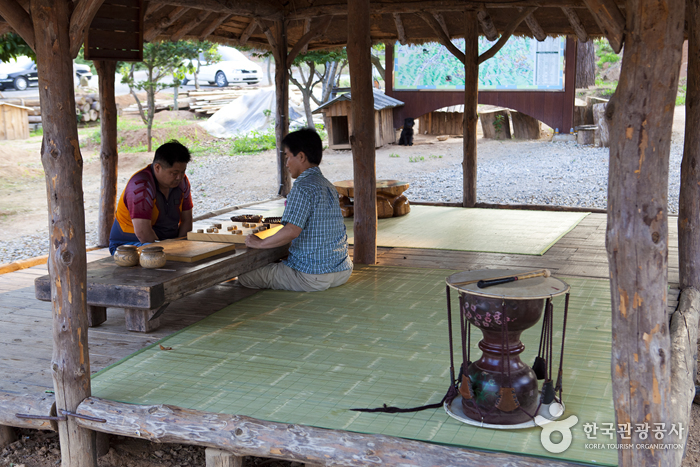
x,y
185,223
143,230
285,235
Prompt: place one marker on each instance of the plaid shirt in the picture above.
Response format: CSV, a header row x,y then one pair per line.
x,y
312,205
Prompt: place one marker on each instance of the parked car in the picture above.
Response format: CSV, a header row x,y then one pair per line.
x,y
21,73
234,68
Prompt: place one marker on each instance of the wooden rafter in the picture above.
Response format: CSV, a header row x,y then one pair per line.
x,y
610,20
164,23
442,35
239,7
189,26
152,7
245,35
217,20
400,32
5,28
19,19
505,36
487,25
80,20
314,32
270,39
307,28
576,24
535,27
441,21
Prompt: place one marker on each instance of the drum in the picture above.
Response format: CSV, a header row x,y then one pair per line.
x,y
498,388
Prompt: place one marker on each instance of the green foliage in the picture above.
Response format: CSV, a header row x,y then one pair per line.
x,y
415,158
680,97
254,142
433,156
38,132
12,46
498,122
605,53
320,57
394,155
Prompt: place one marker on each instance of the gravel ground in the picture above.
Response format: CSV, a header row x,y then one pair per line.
x,y
513,172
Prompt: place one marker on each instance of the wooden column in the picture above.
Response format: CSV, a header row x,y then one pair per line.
x,y
641,111
106,70
471,96
689,200
282,95
63,165
7,436
362,138
218,458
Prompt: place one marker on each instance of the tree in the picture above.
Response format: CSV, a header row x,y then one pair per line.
x,y
329,60
13,46
376,57
160,59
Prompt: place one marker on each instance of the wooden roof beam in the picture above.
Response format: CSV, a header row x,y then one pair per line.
x,y
314,32
245,35
576,24
505,36
610,20
152,7
217,21
443,37
80,20
187,27
307,28
400,32
258,8
487,25
164,23
19,19
5,28
270,40
535,27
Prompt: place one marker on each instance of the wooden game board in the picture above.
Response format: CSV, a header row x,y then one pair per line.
x,y
219,232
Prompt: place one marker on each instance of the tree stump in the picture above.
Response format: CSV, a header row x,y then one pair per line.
x,y
603,132
524,126
495,124
585,135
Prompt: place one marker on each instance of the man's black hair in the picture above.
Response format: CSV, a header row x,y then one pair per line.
x,y
170,153
306,140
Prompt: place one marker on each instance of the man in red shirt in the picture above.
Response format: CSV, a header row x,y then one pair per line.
x,y
157,202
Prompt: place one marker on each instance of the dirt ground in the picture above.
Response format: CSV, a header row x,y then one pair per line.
x,y
23,211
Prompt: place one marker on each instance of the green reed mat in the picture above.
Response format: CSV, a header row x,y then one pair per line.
x,y
484,230
307,358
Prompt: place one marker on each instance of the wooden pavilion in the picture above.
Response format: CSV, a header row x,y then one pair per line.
x,y
648,385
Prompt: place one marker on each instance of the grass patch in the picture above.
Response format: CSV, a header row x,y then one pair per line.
x,y
680,97
394,155
254,142
416,158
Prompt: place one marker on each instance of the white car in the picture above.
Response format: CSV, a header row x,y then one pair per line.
x,y
233,68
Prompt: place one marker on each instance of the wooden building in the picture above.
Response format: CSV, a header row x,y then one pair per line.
x,y
14,121
445,121
338,115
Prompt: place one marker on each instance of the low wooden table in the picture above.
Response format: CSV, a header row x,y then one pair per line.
x,y
143,293
390,199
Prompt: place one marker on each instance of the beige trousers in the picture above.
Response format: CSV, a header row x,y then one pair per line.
x,y
279,276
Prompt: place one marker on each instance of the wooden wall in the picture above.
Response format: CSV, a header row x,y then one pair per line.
x,y
442,123
14,122
555,108
384,132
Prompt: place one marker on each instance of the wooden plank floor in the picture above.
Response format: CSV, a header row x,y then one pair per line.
x,y
25,323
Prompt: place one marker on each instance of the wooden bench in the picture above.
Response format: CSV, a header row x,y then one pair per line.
x,y
390,199
145,293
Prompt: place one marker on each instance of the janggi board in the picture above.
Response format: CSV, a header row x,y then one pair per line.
x,y
231,232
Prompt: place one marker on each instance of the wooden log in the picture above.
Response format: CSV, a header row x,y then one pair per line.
x,y
218,458
585,136
684,362
93,115
7,436
471,95
95,105
362,139
247,436
495,124
108,149
400,32
637,230
610,20
29,404
524,126
689,199
487,25
85,108
601,122
34,118
96,315
63,166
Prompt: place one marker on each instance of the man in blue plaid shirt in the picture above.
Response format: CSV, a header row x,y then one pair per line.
x,y
318,255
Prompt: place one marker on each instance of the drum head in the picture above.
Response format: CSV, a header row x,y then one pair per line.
x,y
525,289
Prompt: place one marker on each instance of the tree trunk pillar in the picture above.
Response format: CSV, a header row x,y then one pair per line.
x,y
282,96
689,201
471,98
637,234
67,265
362,137
106,70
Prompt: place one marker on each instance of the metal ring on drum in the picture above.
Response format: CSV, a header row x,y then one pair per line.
x,y
499,390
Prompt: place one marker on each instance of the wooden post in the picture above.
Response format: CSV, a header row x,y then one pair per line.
x,y
362,137
471,96
641,111
218,458
67,265
7,436
689,200
108,150
282,95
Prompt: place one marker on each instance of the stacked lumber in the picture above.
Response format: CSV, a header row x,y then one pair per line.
x,y
87,107
183,103
207,103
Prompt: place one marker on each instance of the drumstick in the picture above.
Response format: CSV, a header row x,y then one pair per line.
x,y
540,271
489,282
